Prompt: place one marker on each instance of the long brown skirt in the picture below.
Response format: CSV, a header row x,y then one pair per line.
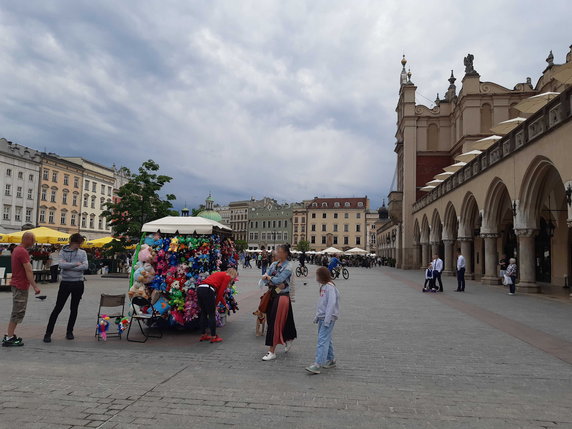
x,y
280,319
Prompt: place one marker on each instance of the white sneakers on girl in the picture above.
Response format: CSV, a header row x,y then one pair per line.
x,y
288,346
269,356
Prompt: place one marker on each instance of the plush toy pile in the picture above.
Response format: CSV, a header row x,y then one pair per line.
x,y
170,267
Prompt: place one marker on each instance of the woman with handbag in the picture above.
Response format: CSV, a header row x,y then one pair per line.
x,y
510,276
280,319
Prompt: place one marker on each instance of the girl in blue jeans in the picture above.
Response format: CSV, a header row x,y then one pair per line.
x,y
327,312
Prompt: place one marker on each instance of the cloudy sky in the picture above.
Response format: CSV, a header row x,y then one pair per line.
x,y
290,99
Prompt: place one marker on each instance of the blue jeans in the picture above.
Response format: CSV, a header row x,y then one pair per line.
x,y
461,279
325,346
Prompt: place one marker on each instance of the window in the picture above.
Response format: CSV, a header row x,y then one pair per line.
x,y
6,214
295,228
346,228
335,215
313,215
101,203
109,191
279,224
51,216
53,196
66,179
85,200
486,118
86,186
273,224
314,204
263,235
8,172
324,215
93,187
313,228
256,224
346,240
313,239
65,198
102,190
73,219
28,214
54,176
31,177
76,182
346,204
323,239
323,227
303,220
303,228
346,215
44,194
360,204
18,214
263,224
74,200
83,221
335,239
20,175
358,215
8,190
19,192
91,222
358,228
336,204
30,194
100,222
45,174
335,227
93,202
63,218
42,215
285,236
279,236
285,224
358,241
324,204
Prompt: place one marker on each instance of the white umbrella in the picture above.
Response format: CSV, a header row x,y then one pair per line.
x,y
455,167
505,127
435,182
564,74
184,225
484,144
427,188
536,102
331,250
356,251
444,175
468,156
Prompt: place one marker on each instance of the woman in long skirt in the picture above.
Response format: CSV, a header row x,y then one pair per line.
x,y
280,319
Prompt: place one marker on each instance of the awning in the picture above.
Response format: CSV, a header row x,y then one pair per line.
x,y
536,102
98,242
455,167
444,175
331,250
484,144
184,225
43,235
468,156
506,127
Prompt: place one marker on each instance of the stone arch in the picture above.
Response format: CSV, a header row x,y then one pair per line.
x,y
497,204
470,216
436,227
416,232
451,222
424,230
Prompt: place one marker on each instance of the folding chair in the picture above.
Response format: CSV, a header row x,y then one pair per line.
x,y
148,318
111,301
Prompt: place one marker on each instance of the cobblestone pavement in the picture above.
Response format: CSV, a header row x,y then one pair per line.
x,y
406,360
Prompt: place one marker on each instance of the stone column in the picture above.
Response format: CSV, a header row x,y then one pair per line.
x,y
449,265
424,255
491,276
467,251
417,253
434,249
527,260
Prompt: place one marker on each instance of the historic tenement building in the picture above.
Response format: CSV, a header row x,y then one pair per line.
x,y
270,224
460,186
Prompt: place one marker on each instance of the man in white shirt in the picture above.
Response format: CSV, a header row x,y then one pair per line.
x,y
437,270
460,272
54,264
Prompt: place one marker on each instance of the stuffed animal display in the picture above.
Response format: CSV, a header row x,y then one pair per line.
x,y
103,327
173,265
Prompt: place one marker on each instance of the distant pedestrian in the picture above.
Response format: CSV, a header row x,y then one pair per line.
x,y
461,264
437,271
327,313
511,272
503,264
73,263
22,279
429,285
263,260
247,259
54,259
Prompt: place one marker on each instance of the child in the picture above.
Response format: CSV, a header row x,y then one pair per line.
x,y
429,286
327,312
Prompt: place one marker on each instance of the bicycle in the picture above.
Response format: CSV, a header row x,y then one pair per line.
x,y
340,270
301,270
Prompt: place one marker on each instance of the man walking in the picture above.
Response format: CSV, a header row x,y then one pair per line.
x,y
263,260
73,263
22,279
460,271
437,270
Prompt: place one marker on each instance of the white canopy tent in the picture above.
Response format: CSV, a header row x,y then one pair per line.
x,y
331,251
356,251
185,225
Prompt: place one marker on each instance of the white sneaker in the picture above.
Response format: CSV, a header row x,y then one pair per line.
x,y
510,293
269,356
288,346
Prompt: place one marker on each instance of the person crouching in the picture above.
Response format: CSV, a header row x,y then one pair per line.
x,y
429,285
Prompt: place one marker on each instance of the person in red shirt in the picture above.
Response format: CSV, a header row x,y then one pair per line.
x,y
209,293
22,279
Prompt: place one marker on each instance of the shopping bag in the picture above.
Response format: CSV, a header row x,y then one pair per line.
x,y
506,280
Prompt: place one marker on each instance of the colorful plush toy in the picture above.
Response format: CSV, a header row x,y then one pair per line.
x,y
145,254
102,327
122,324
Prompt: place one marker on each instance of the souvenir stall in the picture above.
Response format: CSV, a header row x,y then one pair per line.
x,y
175,254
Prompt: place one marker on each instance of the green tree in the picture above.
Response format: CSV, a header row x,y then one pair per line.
x,y
138,202
240,245
303,246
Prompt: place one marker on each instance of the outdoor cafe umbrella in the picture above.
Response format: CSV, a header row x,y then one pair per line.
x,y
455,167
356,251
98,242
43,236
434,182
484,144
331,250
536,102
505,127
468,156
444,175
427,188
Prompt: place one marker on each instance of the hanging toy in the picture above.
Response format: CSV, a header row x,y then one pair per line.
x,y
122,324
102,327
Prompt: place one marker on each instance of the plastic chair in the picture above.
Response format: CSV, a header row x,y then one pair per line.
x,y
111,301
148,318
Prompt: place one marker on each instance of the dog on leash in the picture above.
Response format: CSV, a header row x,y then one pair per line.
x,y
260,322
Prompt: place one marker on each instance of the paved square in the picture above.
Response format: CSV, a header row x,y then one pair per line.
x,y
406,360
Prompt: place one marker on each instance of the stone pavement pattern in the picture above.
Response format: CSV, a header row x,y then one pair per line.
x,y
406,360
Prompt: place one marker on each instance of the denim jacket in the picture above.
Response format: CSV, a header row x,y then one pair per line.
x,y
280,274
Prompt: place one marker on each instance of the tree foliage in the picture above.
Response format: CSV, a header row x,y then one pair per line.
x,y
240,245
303,246
138,202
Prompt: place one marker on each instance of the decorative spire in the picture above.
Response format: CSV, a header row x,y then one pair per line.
x,y
550,59
437,100
409,74
403,76
452,90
